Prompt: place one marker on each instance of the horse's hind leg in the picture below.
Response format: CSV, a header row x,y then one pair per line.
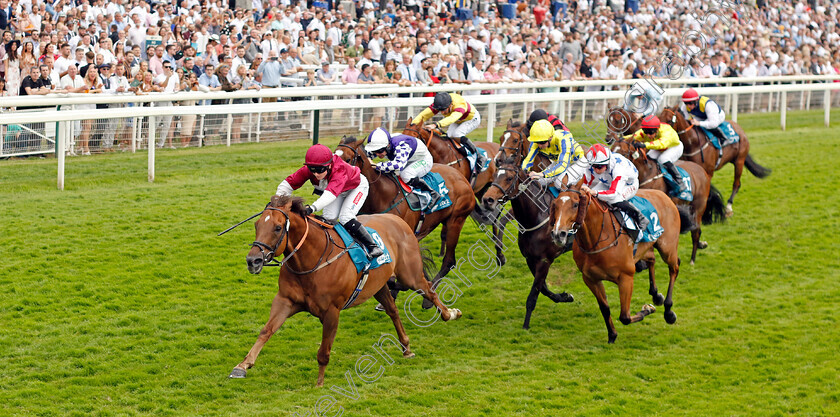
x,y
453,232
281,309
736,183
329,320
408,275
672,259
384,297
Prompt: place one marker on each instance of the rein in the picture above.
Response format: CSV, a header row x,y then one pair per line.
x,y
418,133
581,216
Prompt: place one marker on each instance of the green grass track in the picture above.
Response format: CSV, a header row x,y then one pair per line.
x,y
118,299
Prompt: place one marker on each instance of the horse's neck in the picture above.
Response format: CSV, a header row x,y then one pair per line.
x,y
382,192
647,169
440,150
596,229
310,251
528,212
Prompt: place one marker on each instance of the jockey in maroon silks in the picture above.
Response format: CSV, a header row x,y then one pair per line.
x,y
342,188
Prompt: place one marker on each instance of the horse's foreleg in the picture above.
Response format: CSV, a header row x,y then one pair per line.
x,y
499,234
695,243
330,326
674,270
384,297
625,293
442,242
281,309
736,184
453,232
597,288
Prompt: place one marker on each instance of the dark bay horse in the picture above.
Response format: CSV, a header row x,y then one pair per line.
x,y
385,197
698,149
318,276
444,151
530,203
603,251
706,206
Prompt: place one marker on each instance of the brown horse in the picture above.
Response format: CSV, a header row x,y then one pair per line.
x,y
385,197
706,207
603,251
622,122
530,203
318,276
444,151
698,149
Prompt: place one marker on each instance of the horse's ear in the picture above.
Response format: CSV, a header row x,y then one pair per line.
x,y
408,122
275,201
577,185
509,122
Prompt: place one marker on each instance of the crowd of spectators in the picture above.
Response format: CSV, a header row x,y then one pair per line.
x,y
114,46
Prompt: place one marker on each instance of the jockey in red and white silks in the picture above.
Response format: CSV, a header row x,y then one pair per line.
x,y
613,179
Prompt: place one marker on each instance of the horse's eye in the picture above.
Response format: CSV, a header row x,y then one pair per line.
x,y
575,205
278,228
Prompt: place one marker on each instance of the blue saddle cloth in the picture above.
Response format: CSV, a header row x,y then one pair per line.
x,y
435,181
473,158
357,252
673,184
654,229
728,131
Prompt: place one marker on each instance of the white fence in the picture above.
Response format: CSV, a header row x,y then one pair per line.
x,y
347,109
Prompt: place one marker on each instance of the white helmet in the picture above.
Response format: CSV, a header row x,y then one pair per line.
x,y
377,140
598,155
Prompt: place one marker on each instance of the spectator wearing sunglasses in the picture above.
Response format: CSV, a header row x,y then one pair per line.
x,y
663,144
342,188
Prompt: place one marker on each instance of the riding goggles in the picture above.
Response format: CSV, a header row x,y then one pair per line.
x,y
318,169
599,166
651,131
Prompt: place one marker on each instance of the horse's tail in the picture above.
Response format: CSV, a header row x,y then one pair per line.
x,y
715,208
429,266
687,222
756,169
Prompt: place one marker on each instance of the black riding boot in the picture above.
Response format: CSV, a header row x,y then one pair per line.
x,y
468,145
361,234
672,169
634,212
421,185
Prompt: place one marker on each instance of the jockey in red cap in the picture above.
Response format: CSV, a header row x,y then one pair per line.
x,y
342,188
704,112
613,179
663,145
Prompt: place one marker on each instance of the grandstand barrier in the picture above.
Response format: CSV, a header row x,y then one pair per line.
x,y
135,121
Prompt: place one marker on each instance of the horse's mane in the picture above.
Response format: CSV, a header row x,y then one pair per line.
x,y
346,140
297,204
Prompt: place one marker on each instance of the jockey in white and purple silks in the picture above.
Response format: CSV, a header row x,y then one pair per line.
x,y
406,156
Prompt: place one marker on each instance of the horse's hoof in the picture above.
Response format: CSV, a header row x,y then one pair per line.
x,y
658,299
670,317
427,304
611,338
690,263
648,309
454,314
237,373
702,244
728,212
563,297
501,260
408,355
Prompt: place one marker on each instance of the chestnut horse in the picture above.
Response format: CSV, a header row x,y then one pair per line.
x,y
530,203
622,122
706,207
444,151
698,149
385,197
603,251
318,276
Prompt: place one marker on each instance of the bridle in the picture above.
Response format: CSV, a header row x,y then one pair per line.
x,y
672,120
514,166
581,215
268,252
